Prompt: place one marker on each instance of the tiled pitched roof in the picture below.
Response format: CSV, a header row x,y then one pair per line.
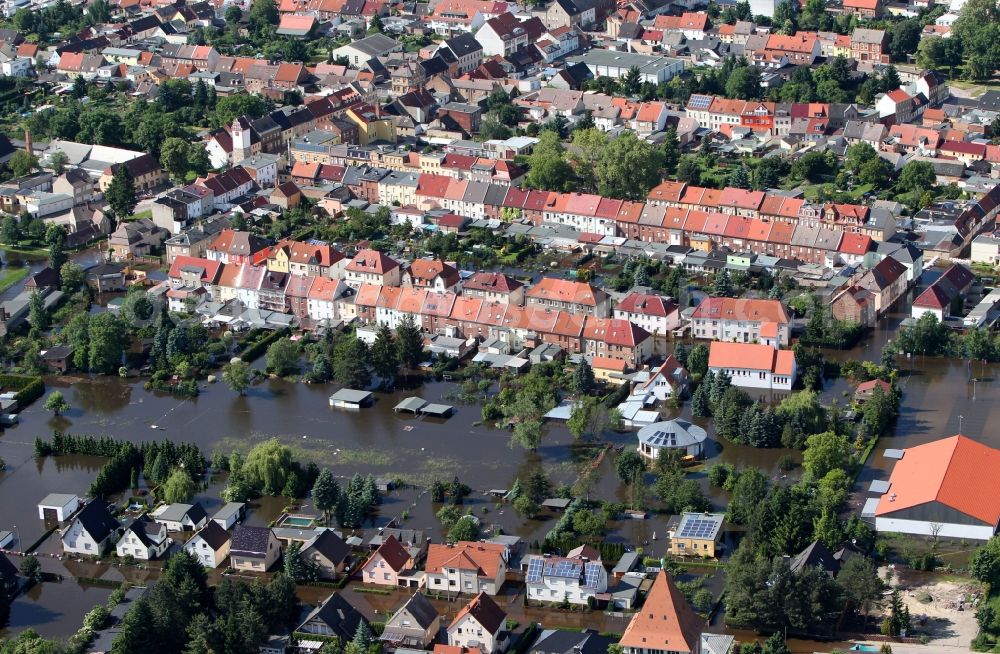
x,y
665,622
957,472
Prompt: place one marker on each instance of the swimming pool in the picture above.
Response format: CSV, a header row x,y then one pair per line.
x,y
861,647
297,521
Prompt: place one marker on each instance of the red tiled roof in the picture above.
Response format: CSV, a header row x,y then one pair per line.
x,y
665,622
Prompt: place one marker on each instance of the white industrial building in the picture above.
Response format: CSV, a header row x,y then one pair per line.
x,y
945,488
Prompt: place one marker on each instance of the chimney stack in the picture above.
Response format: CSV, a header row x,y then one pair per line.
x,y
27,142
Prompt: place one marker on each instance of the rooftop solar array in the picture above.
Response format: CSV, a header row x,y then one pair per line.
x,y
563,568
592,573
696,527
700,101
663,438
534,571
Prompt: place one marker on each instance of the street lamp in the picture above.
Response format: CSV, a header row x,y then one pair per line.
x,y
961,418
17,535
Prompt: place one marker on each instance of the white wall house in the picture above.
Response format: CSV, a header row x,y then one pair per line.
x,y
143,539
656,314
91,532
456,568
481,625
742,321
210,545
753,365
557,579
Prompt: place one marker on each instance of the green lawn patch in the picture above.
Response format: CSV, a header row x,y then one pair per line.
x,y
11,276
26,250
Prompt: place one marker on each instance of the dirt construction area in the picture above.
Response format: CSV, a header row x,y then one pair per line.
x,y
941,606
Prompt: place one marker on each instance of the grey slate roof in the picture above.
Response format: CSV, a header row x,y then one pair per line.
x,y
250,541
97,520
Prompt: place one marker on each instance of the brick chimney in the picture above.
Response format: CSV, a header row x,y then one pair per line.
x,y
27,142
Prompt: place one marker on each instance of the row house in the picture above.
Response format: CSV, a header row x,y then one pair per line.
x,y
452,17
657,314
912,139
494,287
201,57
241,282
570,296
372,267
473,317
964,151
692,25
228,187
900,106
869,45
800,49
306,259
232,246
617,339
431,274
505,34
189,280
583,212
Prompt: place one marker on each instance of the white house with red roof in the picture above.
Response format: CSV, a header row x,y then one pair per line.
x,y
480,626
495,287
668,379
948,288
944,488
466,567
905,107
753,365
657,314
372,267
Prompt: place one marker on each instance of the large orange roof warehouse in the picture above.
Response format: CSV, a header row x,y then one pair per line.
x,y
958,472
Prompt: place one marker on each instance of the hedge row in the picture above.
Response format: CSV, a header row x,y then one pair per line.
x,y
28,388
258,348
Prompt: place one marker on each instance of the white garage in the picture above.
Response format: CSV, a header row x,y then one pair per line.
x,y
58,507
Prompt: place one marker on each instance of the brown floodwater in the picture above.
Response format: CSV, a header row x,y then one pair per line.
x,y
54,609
419,450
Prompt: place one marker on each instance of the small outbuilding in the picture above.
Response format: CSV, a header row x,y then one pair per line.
x,y
58,507
230,514
347,398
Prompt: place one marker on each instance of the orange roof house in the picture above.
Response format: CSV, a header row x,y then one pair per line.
x,y
665,623
753,365
943,488
466,567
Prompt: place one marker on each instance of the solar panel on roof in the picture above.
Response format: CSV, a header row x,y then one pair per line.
x,y
534,571
698,528
592,575
700,101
